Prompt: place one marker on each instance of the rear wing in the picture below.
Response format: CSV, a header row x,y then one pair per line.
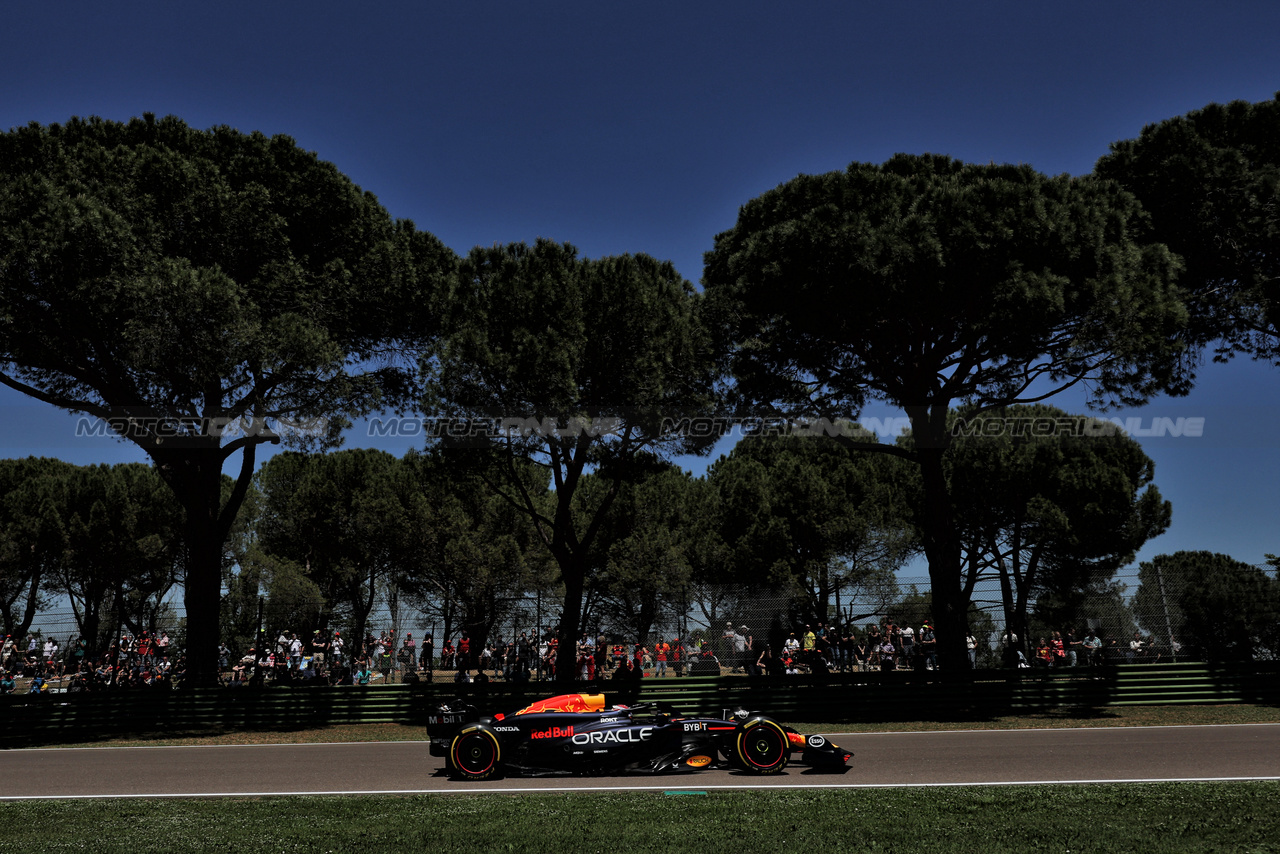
x,y
444,721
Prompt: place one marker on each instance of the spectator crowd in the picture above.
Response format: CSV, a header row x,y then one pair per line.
x,y
146,660
43,665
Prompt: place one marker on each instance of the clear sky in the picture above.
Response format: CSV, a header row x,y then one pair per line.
x,y
643,127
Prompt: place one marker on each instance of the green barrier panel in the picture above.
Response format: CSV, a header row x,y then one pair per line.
x,y
27,720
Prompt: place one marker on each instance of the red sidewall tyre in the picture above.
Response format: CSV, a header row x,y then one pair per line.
x,y
761,746
475,753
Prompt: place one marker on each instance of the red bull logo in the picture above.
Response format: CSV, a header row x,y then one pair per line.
x,y
553,732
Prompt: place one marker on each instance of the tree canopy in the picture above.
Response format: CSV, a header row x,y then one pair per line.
x,y
925,282
202,291
1051,504
1210,181
1221,608
581,366
804,513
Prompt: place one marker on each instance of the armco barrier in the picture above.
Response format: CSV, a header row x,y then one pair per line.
x,y
838,698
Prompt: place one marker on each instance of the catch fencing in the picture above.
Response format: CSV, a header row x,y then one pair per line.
x,y
1114,608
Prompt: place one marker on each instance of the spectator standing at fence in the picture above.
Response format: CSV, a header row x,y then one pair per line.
x,y
427,659
929,646
600,651
384,664
677,657
808,642
764,662
821,644
78,648
1059,647
748,651
888,654
335,649
295,652
1070,643
790,662
464,652
8,652
410,648
1136,648
661,650
1044,654
319,650
908,636
1090,646
56,666
738,641
549,660
791,646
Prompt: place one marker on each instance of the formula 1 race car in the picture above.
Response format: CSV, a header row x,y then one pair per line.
x,y
583,734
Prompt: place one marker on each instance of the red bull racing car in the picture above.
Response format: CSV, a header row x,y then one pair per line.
x,y
584,734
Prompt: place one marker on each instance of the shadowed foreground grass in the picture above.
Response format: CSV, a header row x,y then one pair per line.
x,y
1147,818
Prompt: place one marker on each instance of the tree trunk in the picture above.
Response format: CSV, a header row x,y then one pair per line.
x,y
573,574
196,479
941,543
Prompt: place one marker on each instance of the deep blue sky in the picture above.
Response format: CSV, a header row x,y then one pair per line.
x,y
643,129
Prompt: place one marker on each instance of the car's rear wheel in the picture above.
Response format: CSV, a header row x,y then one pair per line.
x,y
761,746
475,753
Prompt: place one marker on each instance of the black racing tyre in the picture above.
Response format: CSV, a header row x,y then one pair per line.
x,y
475,753
761,746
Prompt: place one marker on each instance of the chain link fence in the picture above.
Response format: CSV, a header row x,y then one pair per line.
x,y
712,623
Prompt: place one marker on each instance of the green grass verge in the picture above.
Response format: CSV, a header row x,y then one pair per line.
x,y
1147,818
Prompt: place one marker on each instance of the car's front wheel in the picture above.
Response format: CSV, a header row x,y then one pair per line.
x,y
761,746
475,753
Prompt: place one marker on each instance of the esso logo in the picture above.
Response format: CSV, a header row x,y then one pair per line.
x,y
816,741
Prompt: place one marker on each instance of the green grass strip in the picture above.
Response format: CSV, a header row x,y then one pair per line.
x,y
1147,818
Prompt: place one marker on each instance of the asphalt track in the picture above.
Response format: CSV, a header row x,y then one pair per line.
x,y
968,758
